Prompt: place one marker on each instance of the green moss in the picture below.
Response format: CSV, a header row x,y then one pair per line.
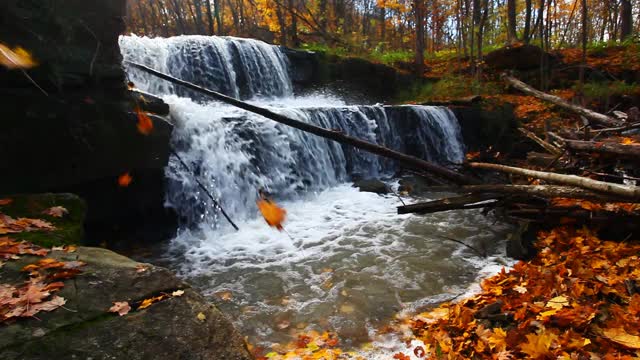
x,y
69,228
448,87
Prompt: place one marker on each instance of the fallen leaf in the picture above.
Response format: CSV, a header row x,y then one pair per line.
x,y
121,307
224,295
145,125
283,324
18,58
557,302
620,336
140,268
538,345
401,356
177,293
148,302
201,316
56,211
124,180
272,213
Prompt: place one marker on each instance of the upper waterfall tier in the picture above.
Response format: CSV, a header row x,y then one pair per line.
x,y
242,68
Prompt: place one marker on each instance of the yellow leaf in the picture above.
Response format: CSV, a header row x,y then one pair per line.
x,y
18,58
558,302
201,316
497,340
620,336
177,293
273,215
538,345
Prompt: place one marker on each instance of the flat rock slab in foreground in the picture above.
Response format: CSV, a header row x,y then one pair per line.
x,y
84,329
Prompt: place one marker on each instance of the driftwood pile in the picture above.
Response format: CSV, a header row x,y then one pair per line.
x,y
581,175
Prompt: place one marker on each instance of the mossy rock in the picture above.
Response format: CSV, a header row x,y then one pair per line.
x,y
69,228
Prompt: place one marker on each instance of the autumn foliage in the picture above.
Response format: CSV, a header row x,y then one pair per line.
x,y
579,298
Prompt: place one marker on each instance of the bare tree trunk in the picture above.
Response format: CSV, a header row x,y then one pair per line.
x,y
197,15
210,18
382,22
589,114
293,30
627,191
179,17
282,21
626,19
527,22
512,37
481,25
584,52
419,56
218,16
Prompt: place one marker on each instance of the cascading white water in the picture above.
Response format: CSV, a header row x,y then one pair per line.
x,y
236,152
346,248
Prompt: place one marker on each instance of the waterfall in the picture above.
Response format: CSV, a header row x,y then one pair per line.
x,y
241,68
234,152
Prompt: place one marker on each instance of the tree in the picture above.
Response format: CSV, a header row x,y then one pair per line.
x,y
511,21
418,9
626,19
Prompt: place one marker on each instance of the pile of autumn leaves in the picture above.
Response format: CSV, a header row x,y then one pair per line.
x,y
578,299
44,276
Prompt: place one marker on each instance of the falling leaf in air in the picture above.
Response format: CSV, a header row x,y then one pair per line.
x,y
120,307
145,125
56,211
5,201
124,180
272,213
18,58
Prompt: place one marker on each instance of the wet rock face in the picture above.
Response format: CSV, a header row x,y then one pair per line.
x,y
85,329
80,135
356,79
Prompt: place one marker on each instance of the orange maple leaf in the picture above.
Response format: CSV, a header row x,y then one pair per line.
x,y
145,125
272,213
124,180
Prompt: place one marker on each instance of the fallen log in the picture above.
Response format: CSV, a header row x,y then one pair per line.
x,y
465,202
545,145
589,114
628,192
603,147
338,136
543,191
